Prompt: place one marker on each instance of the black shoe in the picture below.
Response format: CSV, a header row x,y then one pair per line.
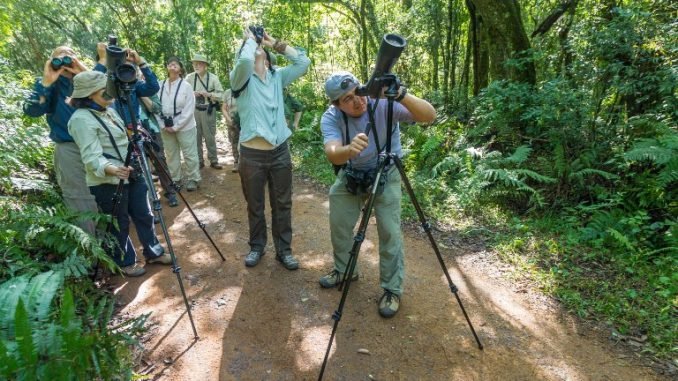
x,y
172,200
216,166
288,261
202,165
253,258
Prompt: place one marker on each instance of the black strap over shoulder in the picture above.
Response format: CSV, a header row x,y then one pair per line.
x,y
205,86
110,135
346,141
175,113
236,93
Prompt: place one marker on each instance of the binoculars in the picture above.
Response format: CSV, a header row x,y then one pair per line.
x,y
258,32
58,62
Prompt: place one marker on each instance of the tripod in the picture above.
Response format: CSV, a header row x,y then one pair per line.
x,y
385,158
142,148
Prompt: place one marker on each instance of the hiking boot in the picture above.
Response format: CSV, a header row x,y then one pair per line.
x,y
172,200
216,166
253,257
288,261
191,185
333,279
164,259
235,167
389,304
133,270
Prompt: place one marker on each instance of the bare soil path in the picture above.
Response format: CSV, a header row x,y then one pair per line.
x,y
267,323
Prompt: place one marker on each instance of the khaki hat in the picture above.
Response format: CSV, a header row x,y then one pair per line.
x,y
199,58
340,83
88,82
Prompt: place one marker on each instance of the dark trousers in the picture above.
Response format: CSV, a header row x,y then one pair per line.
x,y
258,167
134,205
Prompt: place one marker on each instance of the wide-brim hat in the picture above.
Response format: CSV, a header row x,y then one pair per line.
x,y
340,83
199,58
87,83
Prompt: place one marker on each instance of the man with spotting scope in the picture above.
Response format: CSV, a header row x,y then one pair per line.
x,y
346,143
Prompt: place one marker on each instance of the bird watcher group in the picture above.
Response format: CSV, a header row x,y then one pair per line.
x,y
91,131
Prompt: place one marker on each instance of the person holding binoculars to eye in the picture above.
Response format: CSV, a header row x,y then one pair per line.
x,y
49,98
346,144
179,133
264,154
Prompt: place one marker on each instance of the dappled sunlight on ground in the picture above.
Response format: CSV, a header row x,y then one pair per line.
x,y
310,352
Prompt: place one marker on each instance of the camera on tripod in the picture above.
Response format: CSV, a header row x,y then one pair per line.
x,y
121,75
258,32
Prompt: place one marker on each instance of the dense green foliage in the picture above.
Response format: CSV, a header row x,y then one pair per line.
x,y
54,324
563,155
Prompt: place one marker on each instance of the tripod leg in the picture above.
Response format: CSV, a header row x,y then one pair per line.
x,y
176,269
427,228
160,166
352,261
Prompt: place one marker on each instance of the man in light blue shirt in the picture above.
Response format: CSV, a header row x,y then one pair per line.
x,y
264,154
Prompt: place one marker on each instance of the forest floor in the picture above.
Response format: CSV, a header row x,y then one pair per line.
x,y
268,323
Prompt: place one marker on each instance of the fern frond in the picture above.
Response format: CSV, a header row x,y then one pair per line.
x,y
519,155
581,174
651,150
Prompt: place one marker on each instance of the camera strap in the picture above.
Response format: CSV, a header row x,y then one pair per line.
x,y
110,135
236,93
197,78
370,127
176,94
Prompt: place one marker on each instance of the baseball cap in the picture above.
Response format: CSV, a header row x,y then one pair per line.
x,y
340,83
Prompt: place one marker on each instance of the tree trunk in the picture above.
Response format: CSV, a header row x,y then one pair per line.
x,y
504,37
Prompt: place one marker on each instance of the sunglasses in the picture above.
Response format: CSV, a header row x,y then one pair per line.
x,y
346,83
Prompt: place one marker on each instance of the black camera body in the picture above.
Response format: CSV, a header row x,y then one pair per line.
x,y
200,103
121,74
136,173
168,121
258,32
360,182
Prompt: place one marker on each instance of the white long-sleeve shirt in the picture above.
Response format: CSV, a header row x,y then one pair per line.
x,y
183,117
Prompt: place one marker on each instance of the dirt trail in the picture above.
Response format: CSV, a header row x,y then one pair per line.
x,y
267,323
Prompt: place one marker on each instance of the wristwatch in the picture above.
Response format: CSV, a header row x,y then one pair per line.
x,y
403,92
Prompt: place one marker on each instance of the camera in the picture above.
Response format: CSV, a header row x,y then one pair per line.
x,y
136,169
120,73
360,182
200,103
168,121
58,62
258,32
